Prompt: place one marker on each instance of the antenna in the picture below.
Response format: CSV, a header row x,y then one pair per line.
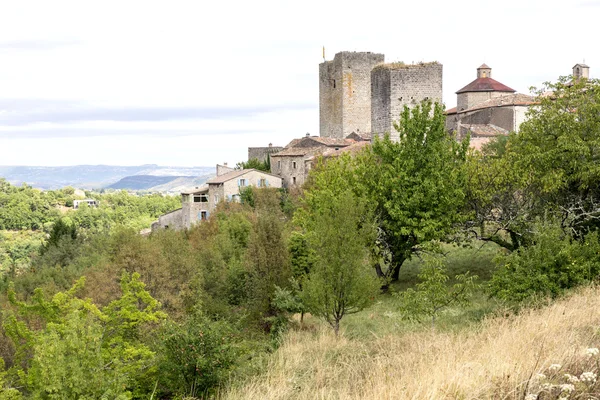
x,y
323,53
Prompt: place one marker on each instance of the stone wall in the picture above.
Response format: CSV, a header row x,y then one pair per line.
x,y
261,153
172,220
284,167
345,93
471,99
395,85
223,169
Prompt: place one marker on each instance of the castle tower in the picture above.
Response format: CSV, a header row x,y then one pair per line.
x,y
581,71
395,85
345,93
481,89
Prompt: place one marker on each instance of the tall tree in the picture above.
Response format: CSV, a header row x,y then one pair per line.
x,y
341,280
416,184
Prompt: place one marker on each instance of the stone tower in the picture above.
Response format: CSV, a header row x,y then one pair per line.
x,y
345,93
397,84
581,71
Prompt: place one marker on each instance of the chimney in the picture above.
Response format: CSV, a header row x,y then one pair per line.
x,y
307,134
225,163
270,144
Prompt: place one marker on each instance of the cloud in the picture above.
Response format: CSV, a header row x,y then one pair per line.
x,y
19,112
31,45
589,4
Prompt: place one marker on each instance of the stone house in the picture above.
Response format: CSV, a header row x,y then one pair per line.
x,y
487,108
199,203
290,164
310,162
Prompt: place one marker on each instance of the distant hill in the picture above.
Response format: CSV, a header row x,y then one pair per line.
x,y
158,183
100,176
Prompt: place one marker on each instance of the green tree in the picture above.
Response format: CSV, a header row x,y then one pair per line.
x,y
83,352
255,164
415,185
196,355
558,149
552,263
432,294
341,280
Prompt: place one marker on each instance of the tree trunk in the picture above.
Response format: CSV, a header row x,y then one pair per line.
x,y
336,327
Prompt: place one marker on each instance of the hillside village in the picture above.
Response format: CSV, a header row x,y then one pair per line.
x,y
360,97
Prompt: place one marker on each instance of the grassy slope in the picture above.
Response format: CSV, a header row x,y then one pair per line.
x,y
467,356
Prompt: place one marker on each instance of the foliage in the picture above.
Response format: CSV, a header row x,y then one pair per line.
x,y
548,170
268,264
554,262
341,281
496,196
254,163
83,351
196,355
24,207
432,295
415,185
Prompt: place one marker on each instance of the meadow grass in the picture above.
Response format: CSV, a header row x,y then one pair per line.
x,y
477,352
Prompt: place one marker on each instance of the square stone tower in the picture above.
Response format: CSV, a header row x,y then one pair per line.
x,y
397,84
345,93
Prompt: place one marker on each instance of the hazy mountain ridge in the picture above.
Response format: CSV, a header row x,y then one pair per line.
x,y
95,176
159,183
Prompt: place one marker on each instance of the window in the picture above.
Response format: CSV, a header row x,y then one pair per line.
x,y
235,198
242,182
201,198
203,215
262,182
334,83
294,164
216,198
278,164
293,180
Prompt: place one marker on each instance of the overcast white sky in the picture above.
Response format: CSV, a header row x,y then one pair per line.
x,y
193,83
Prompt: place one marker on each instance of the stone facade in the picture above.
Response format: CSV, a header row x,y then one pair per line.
x,y
396,85
198,204
345,93
172,220
262,153
290,163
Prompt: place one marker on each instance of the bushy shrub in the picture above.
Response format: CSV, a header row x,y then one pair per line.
x,y
553,263
196,355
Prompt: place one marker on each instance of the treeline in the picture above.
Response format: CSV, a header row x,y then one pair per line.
x,y
26,208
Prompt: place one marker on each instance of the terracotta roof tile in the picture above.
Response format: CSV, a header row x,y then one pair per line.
x,y
485,85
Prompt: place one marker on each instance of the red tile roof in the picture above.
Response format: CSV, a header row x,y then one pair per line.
x,y
485,85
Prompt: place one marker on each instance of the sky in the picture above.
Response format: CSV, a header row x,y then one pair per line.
x,y
195,83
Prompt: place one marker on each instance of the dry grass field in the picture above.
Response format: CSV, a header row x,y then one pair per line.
x,y
499,357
